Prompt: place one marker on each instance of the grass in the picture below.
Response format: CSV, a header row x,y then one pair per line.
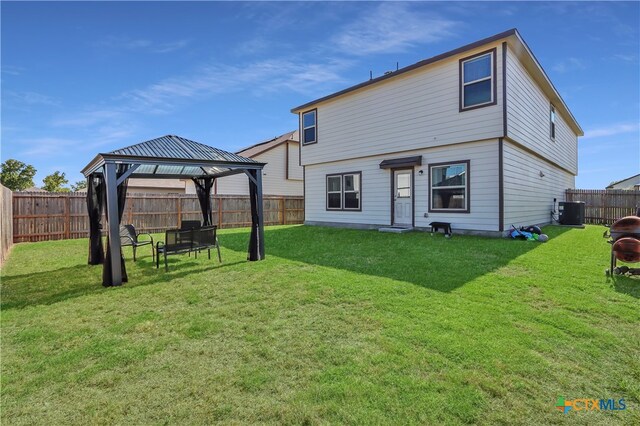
x,y
335,326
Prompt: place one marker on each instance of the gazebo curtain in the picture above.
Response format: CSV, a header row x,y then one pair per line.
x,y
256,245
203,190
107,278
95,205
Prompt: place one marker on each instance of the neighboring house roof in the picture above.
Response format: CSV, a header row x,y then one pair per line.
x,y
261,147
633,181
521,49
34,189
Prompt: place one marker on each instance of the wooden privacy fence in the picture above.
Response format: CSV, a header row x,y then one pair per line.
x,y
6,222
605,206
41,216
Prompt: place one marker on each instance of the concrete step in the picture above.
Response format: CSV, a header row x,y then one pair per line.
x,y
396,229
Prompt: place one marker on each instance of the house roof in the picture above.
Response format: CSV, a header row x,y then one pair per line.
x,y
511,36
34,189
173,156
630,178
261,147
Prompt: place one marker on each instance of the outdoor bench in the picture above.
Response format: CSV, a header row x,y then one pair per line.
x,y
445,226
180,241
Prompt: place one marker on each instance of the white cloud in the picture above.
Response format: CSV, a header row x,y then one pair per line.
x,y
12,70
47,146
626,58
611,130
392,27
259,77
127,43
569,64
32,98
87,118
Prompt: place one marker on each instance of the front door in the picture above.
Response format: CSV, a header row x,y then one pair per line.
x,y
402,198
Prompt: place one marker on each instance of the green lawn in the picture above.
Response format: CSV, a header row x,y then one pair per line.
x,y
335,326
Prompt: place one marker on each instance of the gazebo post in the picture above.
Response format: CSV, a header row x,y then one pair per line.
x,y
260,214
111,183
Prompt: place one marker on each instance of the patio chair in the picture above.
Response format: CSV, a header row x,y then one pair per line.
x,y
186,241
190,224
129,237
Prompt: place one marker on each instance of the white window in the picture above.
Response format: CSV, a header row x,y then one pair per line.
x,y
334,192
449,187
343,191
309,127
552,122
477,81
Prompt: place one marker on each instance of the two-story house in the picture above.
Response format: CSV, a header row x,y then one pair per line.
x,y
478,137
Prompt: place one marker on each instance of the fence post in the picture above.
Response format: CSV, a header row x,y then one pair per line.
x,y
219,213
130,210
67,217
284,211
179,208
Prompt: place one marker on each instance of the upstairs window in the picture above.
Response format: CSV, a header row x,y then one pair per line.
x,y
343,191
477,81
309,127
552,122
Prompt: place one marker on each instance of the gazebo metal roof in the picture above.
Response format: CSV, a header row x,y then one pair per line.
x,y
174,157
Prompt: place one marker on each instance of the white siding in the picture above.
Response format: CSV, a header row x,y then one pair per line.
x,y
156,186
416,110
295,169
274,180
376,188
528,118
528,197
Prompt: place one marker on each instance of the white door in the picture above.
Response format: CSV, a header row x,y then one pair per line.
x,y
402,204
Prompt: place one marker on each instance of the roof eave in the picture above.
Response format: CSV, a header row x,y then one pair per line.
x,y
573,123
93,165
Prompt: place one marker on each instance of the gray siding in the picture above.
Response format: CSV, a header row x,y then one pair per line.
x,y
528,121
295,169
376,188
416,110
528,197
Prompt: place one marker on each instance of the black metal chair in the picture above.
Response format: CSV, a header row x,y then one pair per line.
x,y
186,241
190,224
206,238
129,237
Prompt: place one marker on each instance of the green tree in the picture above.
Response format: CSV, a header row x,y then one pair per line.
x,y
81,184
16,175
54,182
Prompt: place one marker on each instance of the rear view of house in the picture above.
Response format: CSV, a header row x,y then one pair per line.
x,y
478,137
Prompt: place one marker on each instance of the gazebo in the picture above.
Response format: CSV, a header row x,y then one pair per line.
x,y
166,157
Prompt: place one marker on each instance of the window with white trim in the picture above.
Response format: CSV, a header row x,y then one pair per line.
x,y
552,122
449,187
343,191
477,81
309,127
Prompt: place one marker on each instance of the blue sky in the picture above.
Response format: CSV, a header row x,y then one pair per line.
x,y
80,78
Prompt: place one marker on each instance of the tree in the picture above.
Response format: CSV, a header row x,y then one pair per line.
x,y
16,175
54,182
81,184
